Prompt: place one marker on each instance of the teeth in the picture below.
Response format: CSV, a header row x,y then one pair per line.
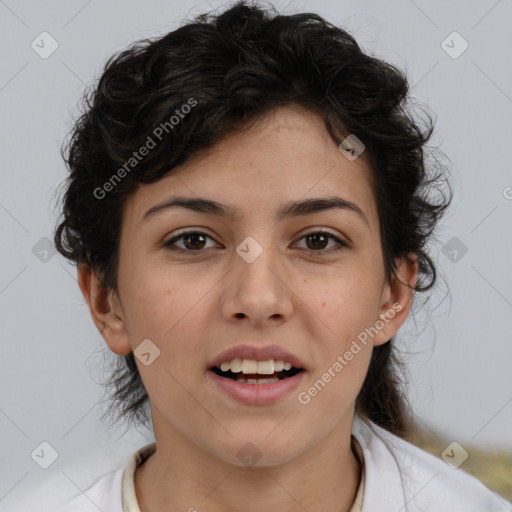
x,y
236,365
266,367
251,366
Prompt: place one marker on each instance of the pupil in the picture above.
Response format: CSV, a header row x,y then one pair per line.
x,y
187,239
316,236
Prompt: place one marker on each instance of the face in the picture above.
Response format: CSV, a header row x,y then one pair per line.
x,y
255,278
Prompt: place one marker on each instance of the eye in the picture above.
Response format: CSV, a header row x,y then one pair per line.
x,y
318,240
193,241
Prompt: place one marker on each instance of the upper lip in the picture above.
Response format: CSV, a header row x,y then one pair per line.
x,y
257,353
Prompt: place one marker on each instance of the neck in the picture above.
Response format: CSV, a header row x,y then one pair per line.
x,y
181,476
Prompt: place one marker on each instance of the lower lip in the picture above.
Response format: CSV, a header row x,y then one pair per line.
x,y
256,394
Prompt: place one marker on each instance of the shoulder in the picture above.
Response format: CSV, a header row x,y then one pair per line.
x,y
103,494
398,473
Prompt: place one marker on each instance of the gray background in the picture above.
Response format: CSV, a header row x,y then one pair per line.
x,y
459,353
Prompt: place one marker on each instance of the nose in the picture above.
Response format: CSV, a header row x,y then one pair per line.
x,y
258,291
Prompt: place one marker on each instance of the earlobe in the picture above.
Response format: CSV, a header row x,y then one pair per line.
x,y
397,299
105,309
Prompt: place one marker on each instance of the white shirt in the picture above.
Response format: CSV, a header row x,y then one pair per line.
x,y
397,477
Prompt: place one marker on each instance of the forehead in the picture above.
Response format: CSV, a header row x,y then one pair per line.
x,y
285,156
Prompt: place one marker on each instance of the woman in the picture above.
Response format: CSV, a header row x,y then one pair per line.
x,y
249,209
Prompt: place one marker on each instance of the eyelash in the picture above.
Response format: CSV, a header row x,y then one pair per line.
x,y
341,244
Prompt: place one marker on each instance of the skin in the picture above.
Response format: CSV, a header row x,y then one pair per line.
x,y
195,305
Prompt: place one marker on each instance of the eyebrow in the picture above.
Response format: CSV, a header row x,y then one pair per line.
x,y
288,210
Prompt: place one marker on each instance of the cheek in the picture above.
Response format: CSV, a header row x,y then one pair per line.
x,y
158,299
332,390
349,308
345,305
171,310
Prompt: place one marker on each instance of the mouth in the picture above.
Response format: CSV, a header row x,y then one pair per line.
x,y
255,382
256,372
256,375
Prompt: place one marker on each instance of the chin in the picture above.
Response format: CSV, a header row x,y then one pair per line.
x,y
257,450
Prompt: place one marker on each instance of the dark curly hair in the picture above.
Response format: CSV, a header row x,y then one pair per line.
x,y
235,67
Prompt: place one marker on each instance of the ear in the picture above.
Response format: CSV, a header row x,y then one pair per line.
x,y
106,310
396,299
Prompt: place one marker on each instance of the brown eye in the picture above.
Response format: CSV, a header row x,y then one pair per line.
x,y
319,240
193,241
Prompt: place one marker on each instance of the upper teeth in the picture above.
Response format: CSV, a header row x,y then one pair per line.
x,y
267,367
